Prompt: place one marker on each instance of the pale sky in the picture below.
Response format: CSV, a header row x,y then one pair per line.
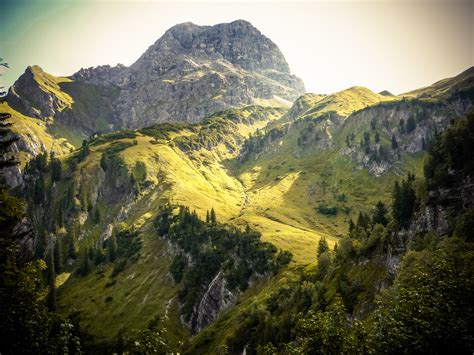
x,y
331,45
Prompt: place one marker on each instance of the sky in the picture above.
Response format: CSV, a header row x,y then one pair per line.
x,y
395,45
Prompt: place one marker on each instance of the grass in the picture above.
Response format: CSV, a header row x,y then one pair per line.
x,y
139,294
345,102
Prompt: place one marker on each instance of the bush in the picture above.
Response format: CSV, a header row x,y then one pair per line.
x,y
327,210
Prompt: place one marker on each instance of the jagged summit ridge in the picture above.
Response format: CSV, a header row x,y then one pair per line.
x,y
237,42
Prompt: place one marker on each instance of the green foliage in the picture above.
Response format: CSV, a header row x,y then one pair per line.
x,y
213,247
85,266
411,125
113,137
7,159
153,340
162,131
430,307
380,214
404,201
111,158
450,154
25,323
465,226
112,247
56,168
323,246
329,332
58,256
177,267
83,151
394,142
126,246
255,144
327,210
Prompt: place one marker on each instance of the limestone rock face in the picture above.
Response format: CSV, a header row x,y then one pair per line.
x,y
193,71
215,299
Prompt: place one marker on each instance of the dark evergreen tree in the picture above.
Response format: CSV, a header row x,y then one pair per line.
x,y
58,256
84,151
363,221
404,201
351,226
56,168
367,142
7,159
373,124
380,214
212,216
85,267
402,126
323,246
394,142
113,247
411,124
377,137
51,297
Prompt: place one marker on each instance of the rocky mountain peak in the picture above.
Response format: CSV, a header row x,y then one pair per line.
x,y
238,42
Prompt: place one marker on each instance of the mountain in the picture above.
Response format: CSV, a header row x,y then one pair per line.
x,y
189,73
445,87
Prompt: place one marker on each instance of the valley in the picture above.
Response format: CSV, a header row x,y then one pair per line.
x,y
200,201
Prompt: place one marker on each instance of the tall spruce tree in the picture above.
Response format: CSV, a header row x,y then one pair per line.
x,y
380,214
213,217
323,246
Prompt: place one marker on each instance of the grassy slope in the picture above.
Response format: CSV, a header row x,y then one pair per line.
x,y
346,101
51,84
139,294
84,103
446,86
198,179
36,132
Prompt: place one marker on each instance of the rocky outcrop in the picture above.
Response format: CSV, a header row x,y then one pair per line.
x,y
215,299
391,119
33,95
443,206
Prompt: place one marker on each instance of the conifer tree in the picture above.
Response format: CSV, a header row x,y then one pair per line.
x,y
113,248
380,214
351,226
51,298
56,168
322,246
394,142
85,267
58,256
212,216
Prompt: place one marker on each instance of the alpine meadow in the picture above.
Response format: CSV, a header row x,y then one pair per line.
x,y
201,200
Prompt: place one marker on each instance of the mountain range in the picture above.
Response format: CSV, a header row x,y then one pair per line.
x,y
210,118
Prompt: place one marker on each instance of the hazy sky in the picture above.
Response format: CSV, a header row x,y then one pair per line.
x,y
331,45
